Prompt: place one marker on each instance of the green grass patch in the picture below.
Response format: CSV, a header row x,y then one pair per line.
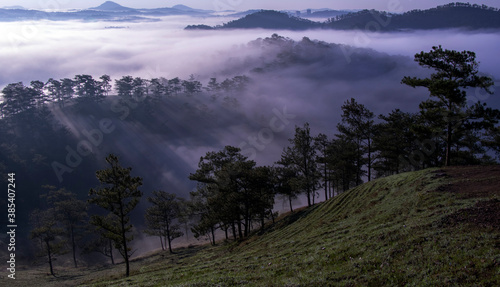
x,y
394,231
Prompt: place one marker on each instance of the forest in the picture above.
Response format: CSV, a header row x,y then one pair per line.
x,y
233,194
453,15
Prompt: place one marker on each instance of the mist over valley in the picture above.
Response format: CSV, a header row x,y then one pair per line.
x,y
200,90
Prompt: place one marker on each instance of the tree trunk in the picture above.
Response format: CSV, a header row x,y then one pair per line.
x,y
240,231
234,231
213,235
124,242
49,255
290,202
247,220
169,240
73,245
161,241
369,160
111,252
448,144
326,182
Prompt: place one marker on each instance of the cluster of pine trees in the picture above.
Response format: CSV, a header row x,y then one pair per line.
x,y
18,98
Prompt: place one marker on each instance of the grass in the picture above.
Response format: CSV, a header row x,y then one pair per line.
x,y
411,229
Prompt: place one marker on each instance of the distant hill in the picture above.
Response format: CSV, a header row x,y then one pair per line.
x,y
108,11
325,14
111,6
453,15
17,7
189,9
268,19
265,19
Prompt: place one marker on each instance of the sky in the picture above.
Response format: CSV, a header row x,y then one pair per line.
x,y
385,5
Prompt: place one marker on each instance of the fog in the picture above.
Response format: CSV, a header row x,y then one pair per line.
x,y
312,93
43,49
366,66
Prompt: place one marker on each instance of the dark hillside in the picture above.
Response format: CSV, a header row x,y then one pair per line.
x,y
429,228
268,19
454,15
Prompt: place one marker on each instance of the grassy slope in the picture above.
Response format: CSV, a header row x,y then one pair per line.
x,y
409,229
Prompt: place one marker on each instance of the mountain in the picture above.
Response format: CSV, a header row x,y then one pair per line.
x,y
111,6
268,19
108,11
325,14
453,15
14,7
419,228
189,9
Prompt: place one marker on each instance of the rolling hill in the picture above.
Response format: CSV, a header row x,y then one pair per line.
x,y
269,19
111,6
450,16
454,15
433,227
264,19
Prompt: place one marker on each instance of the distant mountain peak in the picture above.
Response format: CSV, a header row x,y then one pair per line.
x,y
183,7
111,6
14,7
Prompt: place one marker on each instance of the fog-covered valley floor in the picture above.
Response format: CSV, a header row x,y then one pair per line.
x,y
292,80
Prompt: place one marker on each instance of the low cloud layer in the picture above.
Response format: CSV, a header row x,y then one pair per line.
x,y
293,94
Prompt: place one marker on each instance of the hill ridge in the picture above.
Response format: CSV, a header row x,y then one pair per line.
x,y
111,6
414,228
453,15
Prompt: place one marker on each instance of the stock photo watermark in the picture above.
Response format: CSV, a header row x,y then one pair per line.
x,y
30,30
224,5
265,136
364,35
11,225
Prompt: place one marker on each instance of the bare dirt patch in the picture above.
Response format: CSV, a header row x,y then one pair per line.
x,y
472,181
482,182
485,214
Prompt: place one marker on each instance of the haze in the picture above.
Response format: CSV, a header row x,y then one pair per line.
x,y
164,49
240,5
47,49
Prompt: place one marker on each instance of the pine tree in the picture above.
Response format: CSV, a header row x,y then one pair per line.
x,y
47,232
357,124
119,195
71,213
163,215
301,156
447,109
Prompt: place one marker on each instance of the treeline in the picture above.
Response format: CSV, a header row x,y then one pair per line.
x,y
232,192
18,98
453,15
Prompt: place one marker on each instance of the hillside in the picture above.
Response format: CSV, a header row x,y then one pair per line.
x,y
429,228
454,15
111,6
267,19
